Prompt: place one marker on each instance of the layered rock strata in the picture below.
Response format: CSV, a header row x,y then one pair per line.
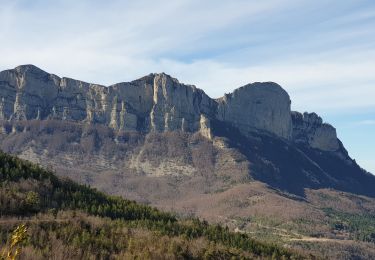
x,y
158,102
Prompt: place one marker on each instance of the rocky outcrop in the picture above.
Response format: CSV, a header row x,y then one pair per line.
x,y
205,127
310,130
158,102
155,102
258,106
177,106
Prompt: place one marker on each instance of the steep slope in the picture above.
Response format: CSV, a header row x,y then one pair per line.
x,y
294,167
66,218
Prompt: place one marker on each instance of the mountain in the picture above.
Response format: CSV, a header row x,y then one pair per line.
x,y
295,148
244,160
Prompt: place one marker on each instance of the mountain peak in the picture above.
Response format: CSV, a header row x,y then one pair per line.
x,y
29,68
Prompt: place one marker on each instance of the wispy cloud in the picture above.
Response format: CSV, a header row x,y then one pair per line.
x,y
321,52
367,122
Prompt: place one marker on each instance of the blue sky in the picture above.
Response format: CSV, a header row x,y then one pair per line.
x,y
321,52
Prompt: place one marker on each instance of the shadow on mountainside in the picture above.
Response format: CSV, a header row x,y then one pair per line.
x,y
293,168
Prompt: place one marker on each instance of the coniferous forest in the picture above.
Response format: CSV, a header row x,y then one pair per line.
x,y
71,221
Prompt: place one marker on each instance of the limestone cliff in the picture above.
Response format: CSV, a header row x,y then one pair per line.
x,y
158,102
309,129
177,106
155,102
258,106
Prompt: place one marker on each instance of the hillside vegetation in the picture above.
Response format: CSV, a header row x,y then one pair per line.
x,y
66,220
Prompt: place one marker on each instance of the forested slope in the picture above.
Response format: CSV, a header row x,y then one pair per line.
x,y
71,221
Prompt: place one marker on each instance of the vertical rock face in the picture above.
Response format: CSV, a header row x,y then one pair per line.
x,y
30,93
133,102
155,102
309,129
158,102
263,106
178,106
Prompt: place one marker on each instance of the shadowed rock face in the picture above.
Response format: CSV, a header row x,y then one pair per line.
x,y
293,167
158,102
310,130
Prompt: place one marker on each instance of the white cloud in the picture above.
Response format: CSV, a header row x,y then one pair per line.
x,y
367,122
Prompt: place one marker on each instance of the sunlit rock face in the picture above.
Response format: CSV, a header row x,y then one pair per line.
x,y
178,106
309,129
155,102
262,106
158,102
29,93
